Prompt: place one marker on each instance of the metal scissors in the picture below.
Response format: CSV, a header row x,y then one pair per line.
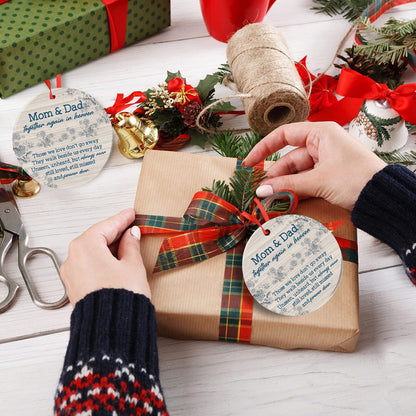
x,y
11,227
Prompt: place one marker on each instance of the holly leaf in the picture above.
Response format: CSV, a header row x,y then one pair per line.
x,y
147,92
198,137
224,106
161,117
205,86
172,75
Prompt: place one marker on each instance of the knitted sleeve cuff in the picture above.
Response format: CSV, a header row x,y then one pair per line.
x,y
114,322
386,208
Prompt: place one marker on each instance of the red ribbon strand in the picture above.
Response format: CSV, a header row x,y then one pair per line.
x,y
117,21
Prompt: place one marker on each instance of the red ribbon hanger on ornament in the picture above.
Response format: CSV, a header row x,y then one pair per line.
x,y
356,88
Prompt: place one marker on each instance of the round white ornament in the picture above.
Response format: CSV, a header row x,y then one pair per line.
x,y
294,269
65,141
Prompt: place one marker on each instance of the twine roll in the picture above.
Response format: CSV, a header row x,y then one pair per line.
x,y
265,73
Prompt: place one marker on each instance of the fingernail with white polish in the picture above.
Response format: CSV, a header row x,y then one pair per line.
x,y
135,232
264,191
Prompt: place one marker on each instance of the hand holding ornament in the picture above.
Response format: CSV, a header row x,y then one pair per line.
x,y
327,163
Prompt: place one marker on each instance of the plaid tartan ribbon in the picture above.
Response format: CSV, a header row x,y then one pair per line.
x,y
374,11
210,226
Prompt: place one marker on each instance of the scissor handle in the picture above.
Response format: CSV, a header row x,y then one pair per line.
x,y
12,287
24,253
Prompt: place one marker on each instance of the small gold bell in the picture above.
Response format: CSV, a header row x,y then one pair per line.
x,y
25,189
135,134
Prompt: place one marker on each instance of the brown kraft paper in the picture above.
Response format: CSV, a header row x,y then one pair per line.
x,y
188,299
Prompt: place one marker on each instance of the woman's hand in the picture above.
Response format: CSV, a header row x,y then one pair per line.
x,y
327,163
91,265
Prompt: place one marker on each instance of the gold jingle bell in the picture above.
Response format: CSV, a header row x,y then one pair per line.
x,y
25,188
135,134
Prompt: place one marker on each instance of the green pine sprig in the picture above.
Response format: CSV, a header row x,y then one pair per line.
x,y
349,9
224,71
389,43
398,158
230,144
241,190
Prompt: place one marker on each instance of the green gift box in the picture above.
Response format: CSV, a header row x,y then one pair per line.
x,y
40,39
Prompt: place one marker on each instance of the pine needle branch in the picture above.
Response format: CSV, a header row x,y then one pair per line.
x,y
350,9
241,190
221,189
244,186
389,43
398,158
229,144
224,71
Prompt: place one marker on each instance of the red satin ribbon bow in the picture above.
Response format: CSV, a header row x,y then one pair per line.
x,y
184,93
357,88
123,102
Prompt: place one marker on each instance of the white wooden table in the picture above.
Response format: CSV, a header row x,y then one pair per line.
x,y
198,377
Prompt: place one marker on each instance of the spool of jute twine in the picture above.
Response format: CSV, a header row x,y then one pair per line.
x,y
266,77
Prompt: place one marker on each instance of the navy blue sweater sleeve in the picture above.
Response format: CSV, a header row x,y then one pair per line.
x,y
386,209
111,364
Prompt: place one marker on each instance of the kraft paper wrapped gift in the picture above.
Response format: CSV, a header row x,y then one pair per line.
x,y
42,38
189,300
